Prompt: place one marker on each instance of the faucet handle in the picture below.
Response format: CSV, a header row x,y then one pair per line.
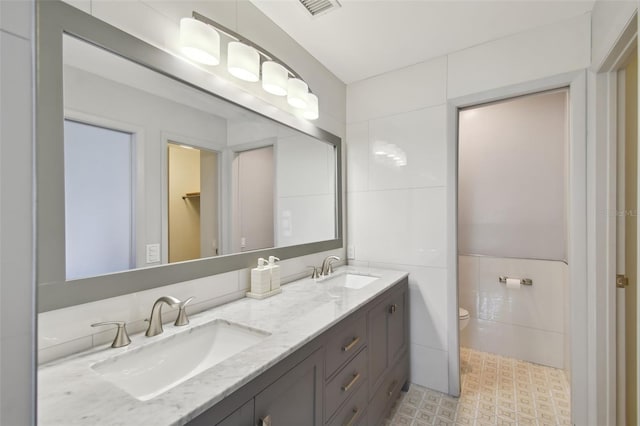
x,y
182,313
122,337
316,273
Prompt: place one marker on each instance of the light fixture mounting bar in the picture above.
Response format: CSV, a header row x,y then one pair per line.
x,y
230,33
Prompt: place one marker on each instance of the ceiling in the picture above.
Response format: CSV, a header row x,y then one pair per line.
x,y
364,38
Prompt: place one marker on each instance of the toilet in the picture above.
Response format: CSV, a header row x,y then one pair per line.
x,y
463,318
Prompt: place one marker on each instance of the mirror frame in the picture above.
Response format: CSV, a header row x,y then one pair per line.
x,y
53,19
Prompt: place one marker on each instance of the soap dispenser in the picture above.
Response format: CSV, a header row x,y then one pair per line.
x,y
275,272
261,278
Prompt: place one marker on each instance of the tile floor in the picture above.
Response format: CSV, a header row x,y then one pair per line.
x,y
496,390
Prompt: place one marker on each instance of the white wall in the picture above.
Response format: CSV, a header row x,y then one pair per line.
x,y
67,330
17,308
401,221
512,177
525,323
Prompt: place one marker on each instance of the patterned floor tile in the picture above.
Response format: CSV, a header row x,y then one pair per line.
x,y
496,390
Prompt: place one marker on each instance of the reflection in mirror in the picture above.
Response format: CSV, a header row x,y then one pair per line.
x,y
204,177
193,202
98,200
253,192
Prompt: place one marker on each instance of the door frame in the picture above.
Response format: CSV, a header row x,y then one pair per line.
x,y
577,222
603,147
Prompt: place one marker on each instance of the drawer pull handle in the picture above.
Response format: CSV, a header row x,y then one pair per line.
x,y
354,417
354,379
265,421
393,308
392,388
351,345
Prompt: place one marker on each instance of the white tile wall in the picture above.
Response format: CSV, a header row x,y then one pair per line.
x,y
429,367
399,217
526,323
421,136
357,151
407,89
405,226
155,28
529,344
535,54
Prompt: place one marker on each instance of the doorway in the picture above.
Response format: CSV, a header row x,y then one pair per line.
x,y
193,202
627,244
254,192
513,271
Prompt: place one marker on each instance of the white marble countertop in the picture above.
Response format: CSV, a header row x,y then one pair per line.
x,y
71,393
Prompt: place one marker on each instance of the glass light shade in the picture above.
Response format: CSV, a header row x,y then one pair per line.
x,y
311,112
274,78
199,41
243,61
297,91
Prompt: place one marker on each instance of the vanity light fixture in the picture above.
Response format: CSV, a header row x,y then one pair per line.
x,y
274,78
199,41
311,111
297,91
243,61
244,58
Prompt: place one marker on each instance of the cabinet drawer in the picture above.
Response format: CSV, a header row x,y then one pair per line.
x,y
387,392
353,412
344,343
345,383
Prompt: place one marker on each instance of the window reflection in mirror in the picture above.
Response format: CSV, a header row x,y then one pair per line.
x,y
99,195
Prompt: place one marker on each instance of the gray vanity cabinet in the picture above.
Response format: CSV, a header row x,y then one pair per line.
x,y
295,398
349,375
242,416
388,335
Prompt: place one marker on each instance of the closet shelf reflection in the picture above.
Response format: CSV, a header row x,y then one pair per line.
x,y
191,195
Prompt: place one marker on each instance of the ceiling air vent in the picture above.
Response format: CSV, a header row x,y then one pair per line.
x,y
319,7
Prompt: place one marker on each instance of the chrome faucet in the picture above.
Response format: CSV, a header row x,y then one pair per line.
x,y
155,322
326,268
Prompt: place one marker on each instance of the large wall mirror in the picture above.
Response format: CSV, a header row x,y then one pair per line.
x,y
145,178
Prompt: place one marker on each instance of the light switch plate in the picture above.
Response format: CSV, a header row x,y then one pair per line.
x,y
153,253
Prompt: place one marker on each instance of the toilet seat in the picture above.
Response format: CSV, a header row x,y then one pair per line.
x,y
463,313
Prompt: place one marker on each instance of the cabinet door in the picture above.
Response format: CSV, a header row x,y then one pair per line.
x,y
378,353
243,416
397,325
295,398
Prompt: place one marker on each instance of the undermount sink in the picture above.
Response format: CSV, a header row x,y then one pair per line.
x,y
148,371
352,280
